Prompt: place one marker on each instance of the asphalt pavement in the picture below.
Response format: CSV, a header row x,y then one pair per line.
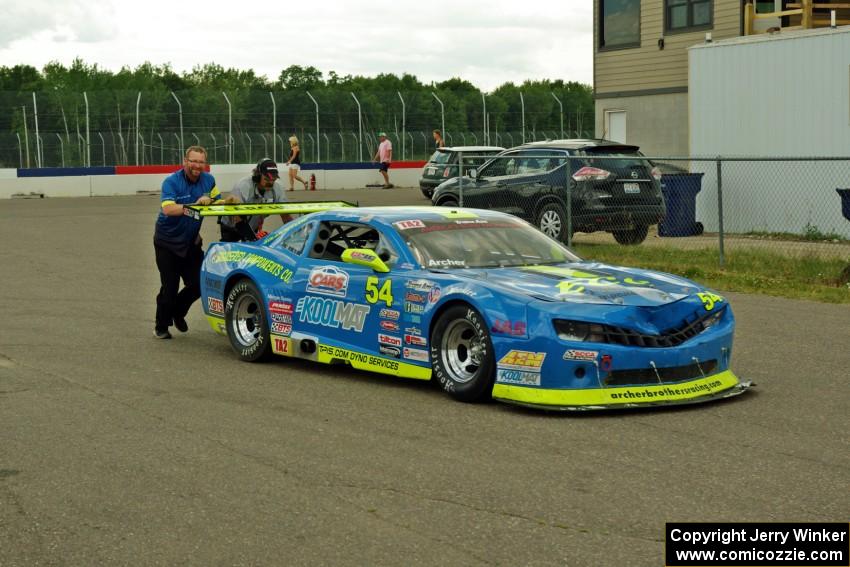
x,y
119,449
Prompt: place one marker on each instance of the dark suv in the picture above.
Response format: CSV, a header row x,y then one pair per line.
x,y
443,164
613,187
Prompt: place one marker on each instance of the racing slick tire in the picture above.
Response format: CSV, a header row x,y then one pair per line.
x,y
462,354
552,221
631,236
246,322
449,202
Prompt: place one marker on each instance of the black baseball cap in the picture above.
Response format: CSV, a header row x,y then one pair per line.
x,y
268,168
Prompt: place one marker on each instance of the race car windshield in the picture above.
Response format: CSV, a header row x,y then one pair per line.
x,y
481,243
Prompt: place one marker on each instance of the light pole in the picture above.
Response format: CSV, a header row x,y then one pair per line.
x,y
318,146
562,114
442,114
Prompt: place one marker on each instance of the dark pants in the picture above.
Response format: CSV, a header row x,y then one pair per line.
x,y
170,302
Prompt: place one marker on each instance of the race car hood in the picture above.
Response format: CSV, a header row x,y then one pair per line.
x,y
590,283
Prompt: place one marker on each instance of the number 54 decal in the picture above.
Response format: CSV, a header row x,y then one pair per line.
x,y
374,294
709,299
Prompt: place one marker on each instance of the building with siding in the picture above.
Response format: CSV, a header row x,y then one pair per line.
x,y
640,58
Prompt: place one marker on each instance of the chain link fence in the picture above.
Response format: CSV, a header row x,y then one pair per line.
x,y
56,128
797,206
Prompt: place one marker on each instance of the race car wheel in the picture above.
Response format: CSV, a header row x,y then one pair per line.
x,y
631,236
552,221
245,319
447,203
462,354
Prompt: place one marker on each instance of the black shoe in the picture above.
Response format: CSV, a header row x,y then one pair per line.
x,y
181,324
161,334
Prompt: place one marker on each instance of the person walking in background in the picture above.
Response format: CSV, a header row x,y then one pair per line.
x,y
177,241
263,186
438,139
294,163
384,156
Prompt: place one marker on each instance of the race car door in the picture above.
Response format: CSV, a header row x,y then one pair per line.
x,y
340,305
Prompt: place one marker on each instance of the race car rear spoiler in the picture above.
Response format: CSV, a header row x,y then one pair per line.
x,y
247,209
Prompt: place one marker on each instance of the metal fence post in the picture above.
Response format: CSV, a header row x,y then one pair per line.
x,y
460,178
720,209
569,203
274,126
180,115
442,113
37,139
318,145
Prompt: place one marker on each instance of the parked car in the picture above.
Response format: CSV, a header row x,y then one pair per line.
x,y
612,188
478,301
444,164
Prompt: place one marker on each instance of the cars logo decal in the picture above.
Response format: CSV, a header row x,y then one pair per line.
x,y
413,330
434,295
328,280
278,318
332,313
389,325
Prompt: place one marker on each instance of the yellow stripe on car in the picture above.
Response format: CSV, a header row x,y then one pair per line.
x,y
631,395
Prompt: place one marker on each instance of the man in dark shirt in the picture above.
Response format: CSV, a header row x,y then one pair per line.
x,y
177,241
263,186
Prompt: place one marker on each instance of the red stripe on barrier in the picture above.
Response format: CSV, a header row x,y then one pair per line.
x,y
407,164
137,169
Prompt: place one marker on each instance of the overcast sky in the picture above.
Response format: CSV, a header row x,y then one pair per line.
x,y
486,42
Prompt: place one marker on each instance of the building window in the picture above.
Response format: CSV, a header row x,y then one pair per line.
x,y
619,23
687,14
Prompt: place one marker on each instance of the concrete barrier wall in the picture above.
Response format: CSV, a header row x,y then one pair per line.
x,y
130,180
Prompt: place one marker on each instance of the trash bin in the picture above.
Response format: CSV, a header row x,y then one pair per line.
x,y
680,194
845,202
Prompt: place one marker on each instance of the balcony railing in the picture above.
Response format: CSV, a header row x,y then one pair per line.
x,y
805,14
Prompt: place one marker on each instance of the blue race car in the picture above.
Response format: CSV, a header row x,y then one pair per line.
x,y
480,301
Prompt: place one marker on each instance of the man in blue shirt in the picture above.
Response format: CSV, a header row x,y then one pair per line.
x,y
177,241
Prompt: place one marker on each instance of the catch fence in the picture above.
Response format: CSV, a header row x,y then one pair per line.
x,y
791,205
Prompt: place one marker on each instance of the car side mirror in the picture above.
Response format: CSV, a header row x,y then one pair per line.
x,y
365,257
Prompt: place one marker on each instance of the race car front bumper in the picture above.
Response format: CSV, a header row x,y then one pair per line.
x,y
721,385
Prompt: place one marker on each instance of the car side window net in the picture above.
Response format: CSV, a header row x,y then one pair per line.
x,y
332,239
